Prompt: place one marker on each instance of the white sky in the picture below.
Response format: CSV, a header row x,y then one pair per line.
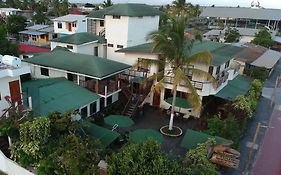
x,y
242,3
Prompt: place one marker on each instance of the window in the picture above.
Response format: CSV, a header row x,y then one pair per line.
x,y
110,45
120,46
227,64
96,51
211,69
218,70
84,20
73,24
42,36
84,112
25,56
93,108
109,100
33,37
101,23
116,17
69,46
59,25
44,71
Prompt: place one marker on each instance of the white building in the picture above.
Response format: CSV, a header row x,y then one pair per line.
x,y
223,68
124,25
85,43
4,12
70,24
10,84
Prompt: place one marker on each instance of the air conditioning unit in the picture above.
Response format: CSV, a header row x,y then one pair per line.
x,y
11,61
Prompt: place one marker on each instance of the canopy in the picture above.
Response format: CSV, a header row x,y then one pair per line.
x,y
180,102
140,135
105,136
120,120
193,138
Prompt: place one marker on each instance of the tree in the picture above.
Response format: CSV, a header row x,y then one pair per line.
x,y
107,3
40,18
6,46
260,73
179,6
177,59
145,158
196,161
15,23
231,35
263,38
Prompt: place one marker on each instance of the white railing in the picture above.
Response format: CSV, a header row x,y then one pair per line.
x,y
10,167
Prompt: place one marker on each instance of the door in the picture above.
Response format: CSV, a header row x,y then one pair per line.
x,y
15,91
156,99
70,27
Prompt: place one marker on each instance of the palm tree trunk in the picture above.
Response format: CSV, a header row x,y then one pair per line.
x,y
173,109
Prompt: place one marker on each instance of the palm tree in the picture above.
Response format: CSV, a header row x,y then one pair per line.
x,y
179,5
176,56
107,3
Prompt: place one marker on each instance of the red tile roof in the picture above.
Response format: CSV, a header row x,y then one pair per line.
x,y
31,49
75,12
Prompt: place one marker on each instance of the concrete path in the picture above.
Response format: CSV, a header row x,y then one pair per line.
x,y
269,157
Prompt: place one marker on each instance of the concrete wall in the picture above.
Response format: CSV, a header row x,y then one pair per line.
x,y
36,72
5,91
10,167
81,26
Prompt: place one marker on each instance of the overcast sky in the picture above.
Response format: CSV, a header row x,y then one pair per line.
x,y
242,3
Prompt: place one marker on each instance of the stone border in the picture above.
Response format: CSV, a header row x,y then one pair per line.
x,y
171,135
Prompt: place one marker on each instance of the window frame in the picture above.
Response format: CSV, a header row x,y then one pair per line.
x,y
59,25
44,71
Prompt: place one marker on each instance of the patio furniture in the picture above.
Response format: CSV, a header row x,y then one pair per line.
x,y
141,135
119,120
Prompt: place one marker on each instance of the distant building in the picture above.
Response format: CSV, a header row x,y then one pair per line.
x,y
84,43
10,84
38,35
70,24
5,12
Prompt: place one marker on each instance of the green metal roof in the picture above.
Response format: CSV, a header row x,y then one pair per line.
x,y
78,63
128,9
240,85
141,135
80,38
221,52
120,120
180,102
192,138
56,94
105,136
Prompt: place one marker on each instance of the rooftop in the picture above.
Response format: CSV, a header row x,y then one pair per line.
x,y
28,32
47,95
93,66
268,59
70,18
128,9
221,52
32,49
242,12
242,32
37,27
80,38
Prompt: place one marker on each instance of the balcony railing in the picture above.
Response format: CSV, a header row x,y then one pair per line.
x,y
103,87
221,78
196,84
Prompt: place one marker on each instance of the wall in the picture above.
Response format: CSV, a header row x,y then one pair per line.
x,y
55,44
10,167
80,27
5,91
140,28
36,72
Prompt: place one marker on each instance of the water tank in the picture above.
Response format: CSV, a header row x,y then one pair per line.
x,y
11,61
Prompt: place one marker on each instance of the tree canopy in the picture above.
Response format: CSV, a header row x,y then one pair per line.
x,y
263,38
15,23
231,35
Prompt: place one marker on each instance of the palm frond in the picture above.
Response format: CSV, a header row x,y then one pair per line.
x,y
204,57
193,97
204,74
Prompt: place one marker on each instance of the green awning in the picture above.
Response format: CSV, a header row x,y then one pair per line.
x,y
138,80
193,138
140,135
180,102
105,136
240,85
120,120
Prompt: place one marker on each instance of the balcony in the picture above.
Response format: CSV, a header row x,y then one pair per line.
x,y
101,87
196,84
221,78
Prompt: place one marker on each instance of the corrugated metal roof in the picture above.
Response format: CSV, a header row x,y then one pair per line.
x,y
70,18
128,9
250,53
49,29
268,59
242,12
221,52
37,27
27,32
80,63
242,32
80,38
240,85
56,94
